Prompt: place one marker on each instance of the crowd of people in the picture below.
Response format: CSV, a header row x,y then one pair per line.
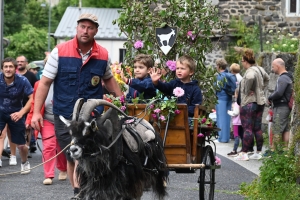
x,y
248,106
80,68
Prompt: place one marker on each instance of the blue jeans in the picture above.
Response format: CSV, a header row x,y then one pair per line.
x,y
223,120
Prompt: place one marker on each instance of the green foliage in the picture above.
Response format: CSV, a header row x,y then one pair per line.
x,y
14,16
296,114
290,191
37,15
281,41
30,42
102,3
59,9
138,22
162,109
277,178
247,36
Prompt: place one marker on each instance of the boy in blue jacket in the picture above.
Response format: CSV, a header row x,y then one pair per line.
x,y
185,68
142,82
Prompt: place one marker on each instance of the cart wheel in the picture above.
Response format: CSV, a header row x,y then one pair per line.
x,y
207,176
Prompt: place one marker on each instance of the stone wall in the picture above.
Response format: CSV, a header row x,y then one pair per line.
x,y
271,12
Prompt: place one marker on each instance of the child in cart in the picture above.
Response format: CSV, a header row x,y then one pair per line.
x,y
236,124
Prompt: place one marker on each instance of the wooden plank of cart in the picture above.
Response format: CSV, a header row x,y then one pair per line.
x,y
185,151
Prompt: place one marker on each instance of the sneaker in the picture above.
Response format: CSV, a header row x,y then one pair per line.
x,y
47,181
13,160
250,153
256,156
268,153
242,156
232,154
62,176
7,150
29,155
0,163
4,153
32,148
25,168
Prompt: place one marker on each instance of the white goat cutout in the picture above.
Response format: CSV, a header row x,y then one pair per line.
x,y
166,37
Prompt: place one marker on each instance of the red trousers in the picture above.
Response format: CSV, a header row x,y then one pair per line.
x,y
50,149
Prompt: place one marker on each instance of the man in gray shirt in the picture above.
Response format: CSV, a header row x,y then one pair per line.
x,y
280,100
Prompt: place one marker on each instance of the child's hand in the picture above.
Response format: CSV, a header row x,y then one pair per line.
x,y
125,79
155,74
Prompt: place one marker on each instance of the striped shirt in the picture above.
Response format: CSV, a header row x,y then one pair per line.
x,y
51,66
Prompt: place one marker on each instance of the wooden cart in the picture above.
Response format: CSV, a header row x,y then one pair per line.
x,y
185,151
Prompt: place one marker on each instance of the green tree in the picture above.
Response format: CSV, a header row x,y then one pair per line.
x,y
138,22
102,3
63,4
13,16
36,14
31,42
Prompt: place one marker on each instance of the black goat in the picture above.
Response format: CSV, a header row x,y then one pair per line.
x,y
108,168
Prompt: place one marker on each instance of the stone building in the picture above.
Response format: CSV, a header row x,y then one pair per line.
x,y
274,13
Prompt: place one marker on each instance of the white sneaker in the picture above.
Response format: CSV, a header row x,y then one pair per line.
x,y
0,163
13,160
242,156
256,156
25,168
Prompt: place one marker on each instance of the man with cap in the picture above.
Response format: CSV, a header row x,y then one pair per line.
x,y
34,69
73,66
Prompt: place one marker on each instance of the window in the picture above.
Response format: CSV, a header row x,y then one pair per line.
x,y
292,8
122,53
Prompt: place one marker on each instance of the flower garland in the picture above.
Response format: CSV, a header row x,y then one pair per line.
x,y
117,101
162,109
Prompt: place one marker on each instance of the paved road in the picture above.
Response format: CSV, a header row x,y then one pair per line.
x,y
181,186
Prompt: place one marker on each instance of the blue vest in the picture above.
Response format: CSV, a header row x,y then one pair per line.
x,y
75,80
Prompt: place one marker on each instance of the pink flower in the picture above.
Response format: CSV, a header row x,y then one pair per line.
x,y
154,116
129,121
123,108
157,110
200,135
203,120
162,118
138,44
190,35
118,71
218,160
177,112
151,106
171,64
178,92
122,99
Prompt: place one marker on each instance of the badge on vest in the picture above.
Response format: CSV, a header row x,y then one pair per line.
x,y
95,80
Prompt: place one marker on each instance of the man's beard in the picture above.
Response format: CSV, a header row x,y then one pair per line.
x,y
21,68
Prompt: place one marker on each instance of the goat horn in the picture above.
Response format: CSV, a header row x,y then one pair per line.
x,y
77,108
91,104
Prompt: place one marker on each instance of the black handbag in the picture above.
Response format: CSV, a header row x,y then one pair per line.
x,y
238,99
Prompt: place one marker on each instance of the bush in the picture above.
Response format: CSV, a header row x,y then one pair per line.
x,y
277,178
